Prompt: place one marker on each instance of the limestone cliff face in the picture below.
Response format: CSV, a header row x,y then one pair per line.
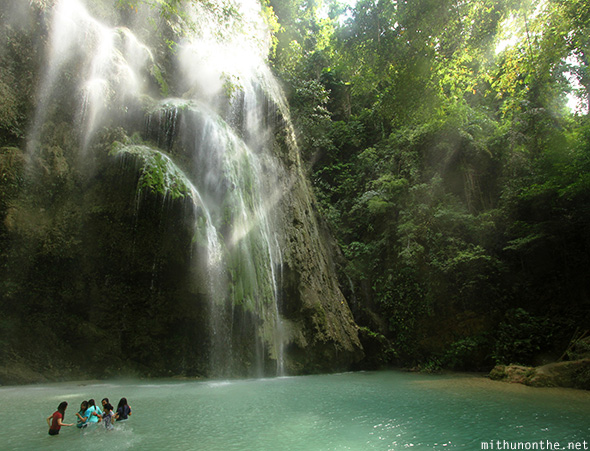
x,y
105,243
323,334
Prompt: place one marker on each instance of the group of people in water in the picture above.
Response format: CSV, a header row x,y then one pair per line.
x,y
90,413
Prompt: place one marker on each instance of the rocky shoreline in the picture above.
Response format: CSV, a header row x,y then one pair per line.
x,y
568,374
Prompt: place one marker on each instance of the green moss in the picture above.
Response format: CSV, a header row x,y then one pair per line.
x,y
200,237
11,164
157,74
159,174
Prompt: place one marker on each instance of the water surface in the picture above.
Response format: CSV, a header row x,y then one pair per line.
x,y
351,411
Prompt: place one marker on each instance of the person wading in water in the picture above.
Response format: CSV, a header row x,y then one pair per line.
x,y
55,421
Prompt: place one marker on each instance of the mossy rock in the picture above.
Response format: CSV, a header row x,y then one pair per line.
x,y
572,374
512,373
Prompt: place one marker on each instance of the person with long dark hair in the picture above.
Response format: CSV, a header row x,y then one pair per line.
x,y
55,421
82,418
123,410
93,413
108,417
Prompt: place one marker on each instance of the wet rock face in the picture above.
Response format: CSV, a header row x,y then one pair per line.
x,y
322,333
104,254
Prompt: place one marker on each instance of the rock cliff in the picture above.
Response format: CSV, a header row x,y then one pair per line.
x,y
102,255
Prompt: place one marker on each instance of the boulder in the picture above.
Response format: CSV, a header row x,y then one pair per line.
x,y
570,374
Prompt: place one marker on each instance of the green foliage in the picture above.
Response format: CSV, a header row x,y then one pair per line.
x,y
11,172
469,353
157,74
309,99
432,366
175,23
19,65
520,336
158,173
449,168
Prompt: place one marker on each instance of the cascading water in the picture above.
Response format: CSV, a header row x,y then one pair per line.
x,y
215,128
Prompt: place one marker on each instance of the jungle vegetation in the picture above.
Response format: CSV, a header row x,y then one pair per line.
x,y
448,143
448,146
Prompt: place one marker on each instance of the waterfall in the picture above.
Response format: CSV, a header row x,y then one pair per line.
x,y
196,122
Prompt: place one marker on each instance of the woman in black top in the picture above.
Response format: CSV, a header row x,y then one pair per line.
x,y
123,410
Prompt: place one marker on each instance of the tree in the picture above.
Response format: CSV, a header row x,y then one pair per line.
x,y
455,175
